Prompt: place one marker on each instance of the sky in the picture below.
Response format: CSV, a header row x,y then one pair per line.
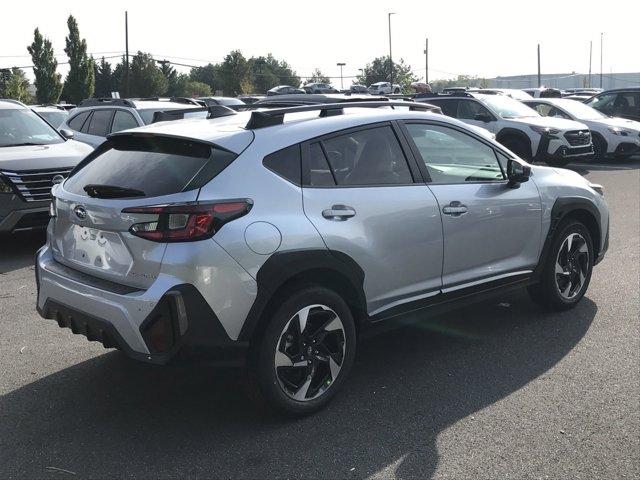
x,y
485,38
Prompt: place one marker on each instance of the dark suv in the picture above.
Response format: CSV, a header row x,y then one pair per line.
x,y
621,102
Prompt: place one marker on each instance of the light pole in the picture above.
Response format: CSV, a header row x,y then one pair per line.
x,y
426,60
340,64
390,57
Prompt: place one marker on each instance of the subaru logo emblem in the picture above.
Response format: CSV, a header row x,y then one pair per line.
x,y
57,179
80,212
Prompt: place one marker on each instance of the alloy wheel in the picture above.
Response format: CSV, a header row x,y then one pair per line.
x,y
572,266
310,352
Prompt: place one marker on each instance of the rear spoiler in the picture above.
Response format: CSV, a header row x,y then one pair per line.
x,y
213,111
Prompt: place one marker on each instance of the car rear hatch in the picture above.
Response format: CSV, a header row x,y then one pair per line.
x,y
100,207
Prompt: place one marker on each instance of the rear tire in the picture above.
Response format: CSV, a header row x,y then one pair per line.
x,y
567,270
299,370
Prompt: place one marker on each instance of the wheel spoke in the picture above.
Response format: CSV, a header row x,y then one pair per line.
x,y
569,242
567,289
560,269
303,315
334,367
301,394
282,360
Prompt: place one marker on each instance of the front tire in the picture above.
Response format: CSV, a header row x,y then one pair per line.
x,y
599,147
518,146
567,270
307,351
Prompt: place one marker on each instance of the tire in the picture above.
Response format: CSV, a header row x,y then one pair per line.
x,y
599,147
397,90
290,374
567,270
517,146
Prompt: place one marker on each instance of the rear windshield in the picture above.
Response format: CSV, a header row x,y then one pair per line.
x,y
153,165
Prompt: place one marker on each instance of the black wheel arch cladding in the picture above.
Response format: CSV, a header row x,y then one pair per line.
x,y
305,265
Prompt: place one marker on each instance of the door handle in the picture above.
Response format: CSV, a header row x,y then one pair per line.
x,y
455,209
339,212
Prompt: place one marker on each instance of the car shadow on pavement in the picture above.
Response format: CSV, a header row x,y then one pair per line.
x,y
19,250
111,417
586,167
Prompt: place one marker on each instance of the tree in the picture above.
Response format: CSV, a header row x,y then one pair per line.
x,y
378,71
145,78
459,81
79,83
195,89
267,72
105,81
317,77
47,81
235,74
209,74
16,86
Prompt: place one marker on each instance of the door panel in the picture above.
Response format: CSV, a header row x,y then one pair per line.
x,y
489,228
395,236
500,231
360,196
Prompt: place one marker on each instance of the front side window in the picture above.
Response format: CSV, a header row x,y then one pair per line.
x,y
367,157
76,122
602,102
454,157
21,126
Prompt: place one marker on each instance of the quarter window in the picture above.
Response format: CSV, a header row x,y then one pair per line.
x,y
454,157
367,157
286,163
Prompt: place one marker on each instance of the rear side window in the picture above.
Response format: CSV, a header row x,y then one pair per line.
x,y
77,121
367,157
286,163
100,122
122,121
449,107
155,165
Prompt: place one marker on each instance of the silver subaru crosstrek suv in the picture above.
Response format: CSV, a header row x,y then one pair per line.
x,y
274,238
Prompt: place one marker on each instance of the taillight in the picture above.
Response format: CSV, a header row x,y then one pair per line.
x,y
187,222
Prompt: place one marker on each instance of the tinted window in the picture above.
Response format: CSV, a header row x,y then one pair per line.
x,y
367,157
77,121
449,107
602,102
286,163
99,123
468,109
454,157
123,120
54,118
319,173
155,165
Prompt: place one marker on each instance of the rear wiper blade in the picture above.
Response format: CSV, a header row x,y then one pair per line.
x,y
111,191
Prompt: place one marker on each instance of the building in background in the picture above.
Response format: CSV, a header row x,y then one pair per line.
x,y
566,80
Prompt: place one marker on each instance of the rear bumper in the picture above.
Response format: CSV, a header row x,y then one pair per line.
x,y
124,318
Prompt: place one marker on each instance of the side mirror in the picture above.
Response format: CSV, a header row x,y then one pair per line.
x,y
517,173
68,134
483,117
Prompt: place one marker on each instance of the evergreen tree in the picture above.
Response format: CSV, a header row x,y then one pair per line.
x,y
79,83
16,86
104,79
47,81
145,78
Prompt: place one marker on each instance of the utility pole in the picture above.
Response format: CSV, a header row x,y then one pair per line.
x,y
426,61
539,76
601,35
126,47
590,54
390,57
341,64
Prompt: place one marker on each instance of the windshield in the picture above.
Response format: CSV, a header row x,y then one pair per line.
x,y
23,127
507,107
230,101
580,110
55,118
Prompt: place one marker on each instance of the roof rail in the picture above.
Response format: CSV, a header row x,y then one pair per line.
x,y
275,116
11,100
96,102
188,101
213,111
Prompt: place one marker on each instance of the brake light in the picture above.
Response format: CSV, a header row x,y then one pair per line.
x,y
187,222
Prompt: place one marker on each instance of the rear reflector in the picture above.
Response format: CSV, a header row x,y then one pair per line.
x,y
187,222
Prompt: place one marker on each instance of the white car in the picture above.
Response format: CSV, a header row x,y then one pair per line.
x,y
518,127
612,136
384,88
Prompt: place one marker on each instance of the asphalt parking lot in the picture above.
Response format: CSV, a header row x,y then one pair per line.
x,y
499,390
